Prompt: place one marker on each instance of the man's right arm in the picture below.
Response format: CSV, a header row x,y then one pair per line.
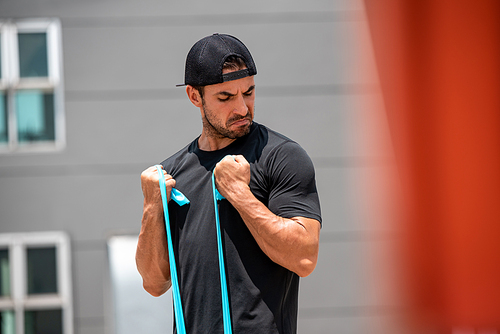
x,y
152,254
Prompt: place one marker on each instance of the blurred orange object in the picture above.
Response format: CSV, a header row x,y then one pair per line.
x,y
439,67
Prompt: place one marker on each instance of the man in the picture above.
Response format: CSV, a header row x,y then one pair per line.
x,y
270,218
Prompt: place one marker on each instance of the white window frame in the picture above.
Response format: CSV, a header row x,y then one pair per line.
x,y
11,81
19,301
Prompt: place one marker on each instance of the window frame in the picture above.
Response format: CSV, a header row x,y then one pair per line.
x,y
11,82
19,301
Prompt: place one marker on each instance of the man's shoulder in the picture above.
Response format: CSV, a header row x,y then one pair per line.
x,y
180,155
278,142
273,138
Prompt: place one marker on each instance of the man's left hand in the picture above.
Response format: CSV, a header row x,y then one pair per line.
x,y
232,176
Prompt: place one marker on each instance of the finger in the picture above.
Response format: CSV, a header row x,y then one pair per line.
x,y
170,183
240,159
229,158
166,175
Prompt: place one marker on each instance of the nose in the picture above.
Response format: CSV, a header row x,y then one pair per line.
x,y
240,106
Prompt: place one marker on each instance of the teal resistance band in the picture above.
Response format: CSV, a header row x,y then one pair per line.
x,y
178,197
226,315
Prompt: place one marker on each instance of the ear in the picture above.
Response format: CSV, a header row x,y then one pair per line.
x,y
194,96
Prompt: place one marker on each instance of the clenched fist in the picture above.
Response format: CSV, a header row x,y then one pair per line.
x,y
232,175
151,187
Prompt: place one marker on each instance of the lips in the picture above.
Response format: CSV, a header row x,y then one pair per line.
x,y
241,122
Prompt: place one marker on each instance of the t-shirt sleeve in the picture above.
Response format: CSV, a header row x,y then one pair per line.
x,y
292,177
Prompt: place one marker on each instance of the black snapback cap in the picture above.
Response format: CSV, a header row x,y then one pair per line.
x,y
205,60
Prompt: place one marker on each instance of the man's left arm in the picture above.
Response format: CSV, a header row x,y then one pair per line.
x,y
292,243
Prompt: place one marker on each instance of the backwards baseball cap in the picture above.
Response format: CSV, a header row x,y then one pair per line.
x,y
205,60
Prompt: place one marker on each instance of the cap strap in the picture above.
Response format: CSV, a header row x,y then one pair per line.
x,y
235,75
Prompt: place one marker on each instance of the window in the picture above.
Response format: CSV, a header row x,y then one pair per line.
x,y
134,310
35,284
31,90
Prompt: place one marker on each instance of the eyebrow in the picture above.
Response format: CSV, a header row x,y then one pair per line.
x,y
251,88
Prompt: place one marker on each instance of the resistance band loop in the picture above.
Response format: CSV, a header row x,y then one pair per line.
x,y
226,316
178,197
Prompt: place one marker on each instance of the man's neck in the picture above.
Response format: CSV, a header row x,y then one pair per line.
x,y
209,143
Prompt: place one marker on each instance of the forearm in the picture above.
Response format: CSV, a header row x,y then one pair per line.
x,y
152,254
292,243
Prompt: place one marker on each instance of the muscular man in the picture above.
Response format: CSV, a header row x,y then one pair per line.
x,y
270,218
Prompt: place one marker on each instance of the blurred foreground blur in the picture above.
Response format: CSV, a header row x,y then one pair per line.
x,y
439,69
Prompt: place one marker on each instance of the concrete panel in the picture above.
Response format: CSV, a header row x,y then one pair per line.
x,y
89,266
322,125
338,207
337,281
126,8
357,198
354,324
128,132
352,278
87,207
29,204
152,57
90,329
328,126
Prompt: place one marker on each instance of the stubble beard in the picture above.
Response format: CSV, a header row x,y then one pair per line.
x,y
215,129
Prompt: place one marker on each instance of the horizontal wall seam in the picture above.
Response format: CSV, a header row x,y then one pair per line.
x,y
313,17
353,162
123,169
357,236
72,170
263,91
100,245
92,321
349,311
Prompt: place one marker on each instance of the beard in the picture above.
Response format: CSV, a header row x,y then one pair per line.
x,y
216,129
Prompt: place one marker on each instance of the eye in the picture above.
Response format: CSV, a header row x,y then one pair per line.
x,y
224,99
249,92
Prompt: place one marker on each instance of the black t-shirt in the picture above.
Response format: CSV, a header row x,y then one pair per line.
x,y
263,295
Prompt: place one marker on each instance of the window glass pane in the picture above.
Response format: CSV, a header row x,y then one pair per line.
x,y
4,273
33,55
7,322
4,134
35,116
135,310
42,270
43,322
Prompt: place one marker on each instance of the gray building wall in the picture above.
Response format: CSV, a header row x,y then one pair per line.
x,y
122,59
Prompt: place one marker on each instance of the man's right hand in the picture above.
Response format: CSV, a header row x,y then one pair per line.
x,y
152,254
150,185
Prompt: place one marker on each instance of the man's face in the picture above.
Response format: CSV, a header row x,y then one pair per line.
x,y
228,108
